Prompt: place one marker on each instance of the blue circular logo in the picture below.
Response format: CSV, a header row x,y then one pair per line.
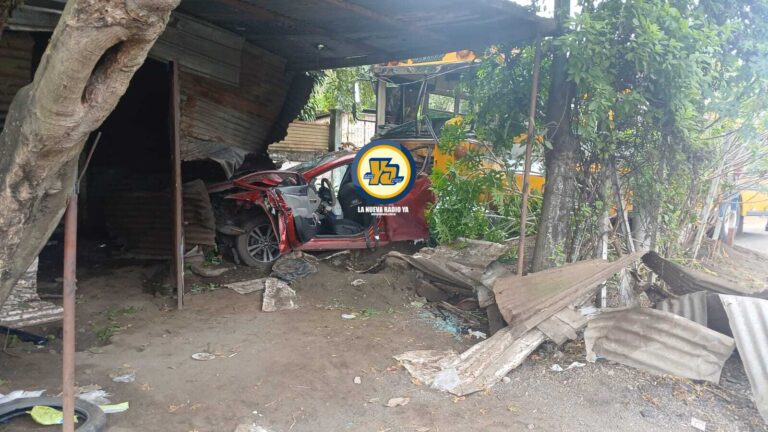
x,y
383,172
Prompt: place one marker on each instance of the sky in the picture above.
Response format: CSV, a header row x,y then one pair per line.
x,y
546,6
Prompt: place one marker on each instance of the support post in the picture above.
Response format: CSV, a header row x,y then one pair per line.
x,y
68,302
178,210
528,150
381,104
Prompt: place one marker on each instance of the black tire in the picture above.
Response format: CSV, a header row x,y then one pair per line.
x,y
90,417
259,246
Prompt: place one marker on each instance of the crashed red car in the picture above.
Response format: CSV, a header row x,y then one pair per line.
x,y
312,206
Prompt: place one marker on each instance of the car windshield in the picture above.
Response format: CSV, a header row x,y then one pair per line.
x,y
306,166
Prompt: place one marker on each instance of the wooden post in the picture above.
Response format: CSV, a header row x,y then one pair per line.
x,y
178,209
68,302
528,150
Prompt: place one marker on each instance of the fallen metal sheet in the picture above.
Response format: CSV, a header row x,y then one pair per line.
x,y
460,264
477,368
748,318
23,307
659,342
692,306
527,301
701,307
684,280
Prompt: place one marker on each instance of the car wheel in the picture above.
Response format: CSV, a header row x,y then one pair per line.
x,y
259,246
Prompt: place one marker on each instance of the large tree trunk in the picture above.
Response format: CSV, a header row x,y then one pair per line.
x,y
93,53
560,161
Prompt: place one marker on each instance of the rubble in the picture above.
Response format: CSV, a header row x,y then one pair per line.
x,y
477,368
294,266
247,287
278,296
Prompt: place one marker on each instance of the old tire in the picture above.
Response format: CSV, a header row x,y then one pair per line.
x,y
259,246
90,417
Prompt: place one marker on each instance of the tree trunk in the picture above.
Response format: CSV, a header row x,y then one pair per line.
x,y
93,53
560,161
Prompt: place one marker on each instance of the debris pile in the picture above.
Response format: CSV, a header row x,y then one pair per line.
x,y
691,333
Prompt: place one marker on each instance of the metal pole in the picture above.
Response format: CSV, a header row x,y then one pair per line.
x,y
178,210
528,149
70,266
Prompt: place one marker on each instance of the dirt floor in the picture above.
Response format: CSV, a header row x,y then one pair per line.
x,y
295,370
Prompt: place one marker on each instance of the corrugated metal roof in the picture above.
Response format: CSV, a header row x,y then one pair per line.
x,y
335,33
659,342
748,318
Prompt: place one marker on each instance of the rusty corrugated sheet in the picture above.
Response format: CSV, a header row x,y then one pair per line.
x,y
216,115
304,136
23,308
659,342
527,301
143,220
748,318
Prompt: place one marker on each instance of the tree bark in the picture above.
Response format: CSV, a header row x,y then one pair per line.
x,y
560,161
95,49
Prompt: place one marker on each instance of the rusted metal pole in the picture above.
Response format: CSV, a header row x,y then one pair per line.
x,y
528,150
70,266
178,210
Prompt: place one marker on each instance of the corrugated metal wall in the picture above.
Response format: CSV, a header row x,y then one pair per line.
x,y
304,137
15,67
216,115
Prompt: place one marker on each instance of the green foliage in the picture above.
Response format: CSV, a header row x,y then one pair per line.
x,y
335,90
655,81
475,198
499,95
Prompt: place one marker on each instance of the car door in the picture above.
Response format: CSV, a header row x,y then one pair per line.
x,y
410,223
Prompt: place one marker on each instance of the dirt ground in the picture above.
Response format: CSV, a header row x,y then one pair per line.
x,y
294,371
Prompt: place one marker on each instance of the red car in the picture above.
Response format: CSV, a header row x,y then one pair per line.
x,y
311,206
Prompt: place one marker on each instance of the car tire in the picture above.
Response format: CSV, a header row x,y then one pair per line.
x,y
95,419
259,246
